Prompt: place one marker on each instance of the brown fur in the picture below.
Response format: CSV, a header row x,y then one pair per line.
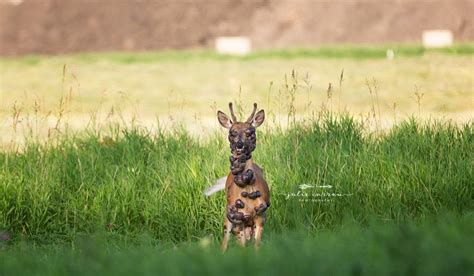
x,y
248,202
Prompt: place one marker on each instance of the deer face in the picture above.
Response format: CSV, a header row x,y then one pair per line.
x,y
242,136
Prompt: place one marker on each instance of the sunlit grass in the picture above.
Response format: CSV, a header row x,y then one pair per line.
x,y
184,85
129,200
133,180
94,180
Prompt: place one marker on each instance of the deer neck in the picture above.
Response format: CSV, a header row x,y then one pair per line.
x,y
241,168
248,164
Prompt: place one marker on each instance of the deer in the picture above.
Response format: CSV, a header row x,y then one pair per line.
x,y
247,192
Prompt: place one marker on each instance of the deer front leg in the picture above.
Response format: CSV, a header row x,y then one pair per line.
x,y
259,222
227,232
241,234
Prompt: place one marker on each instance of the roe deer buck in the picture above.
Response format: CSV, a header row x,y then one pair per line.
x,y
248,196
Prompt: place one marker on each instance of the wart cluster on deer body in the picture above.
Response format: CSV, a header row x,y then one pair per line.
x,y
248,195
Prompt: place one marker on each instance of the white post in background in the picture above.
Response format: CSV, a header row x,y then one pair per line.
x,y
233,45
437,38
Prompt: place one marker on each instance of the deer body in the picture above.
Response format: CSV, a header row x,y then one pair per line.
x,y
247,192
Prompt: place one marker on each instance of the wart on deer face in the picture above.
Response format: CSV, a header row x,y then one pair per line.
x,y
242,139
241,134
248,196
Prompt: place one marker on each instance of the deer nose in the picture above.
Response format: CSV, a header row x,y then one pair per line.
x,y
239,145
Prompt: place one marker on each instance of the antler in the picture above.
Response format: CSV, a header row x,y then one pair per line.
x,y
253,113
234,119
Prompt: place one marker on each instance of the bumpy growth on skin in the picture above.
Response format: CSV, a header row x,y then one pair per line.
x,y
242,144
242,151
242,177
247,191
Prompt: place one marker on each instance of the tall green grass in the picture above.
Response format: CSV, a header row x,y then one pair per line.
x,y
128,200
434,247
345,199
132,181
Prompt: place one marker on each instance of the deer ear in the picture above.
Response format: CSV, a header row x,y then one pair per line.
x,y
258,119
224,120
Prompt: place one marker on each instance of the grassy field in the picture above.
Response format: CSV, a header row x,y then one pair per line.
x,y
187,87
440,247
124,194
131,184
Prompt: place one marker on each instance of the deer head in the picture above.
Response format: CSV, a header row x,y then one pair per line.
x,y
242,136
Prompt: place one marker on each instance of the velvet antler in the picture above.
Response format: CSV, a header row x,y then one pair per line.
x,y
253,113
234,119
